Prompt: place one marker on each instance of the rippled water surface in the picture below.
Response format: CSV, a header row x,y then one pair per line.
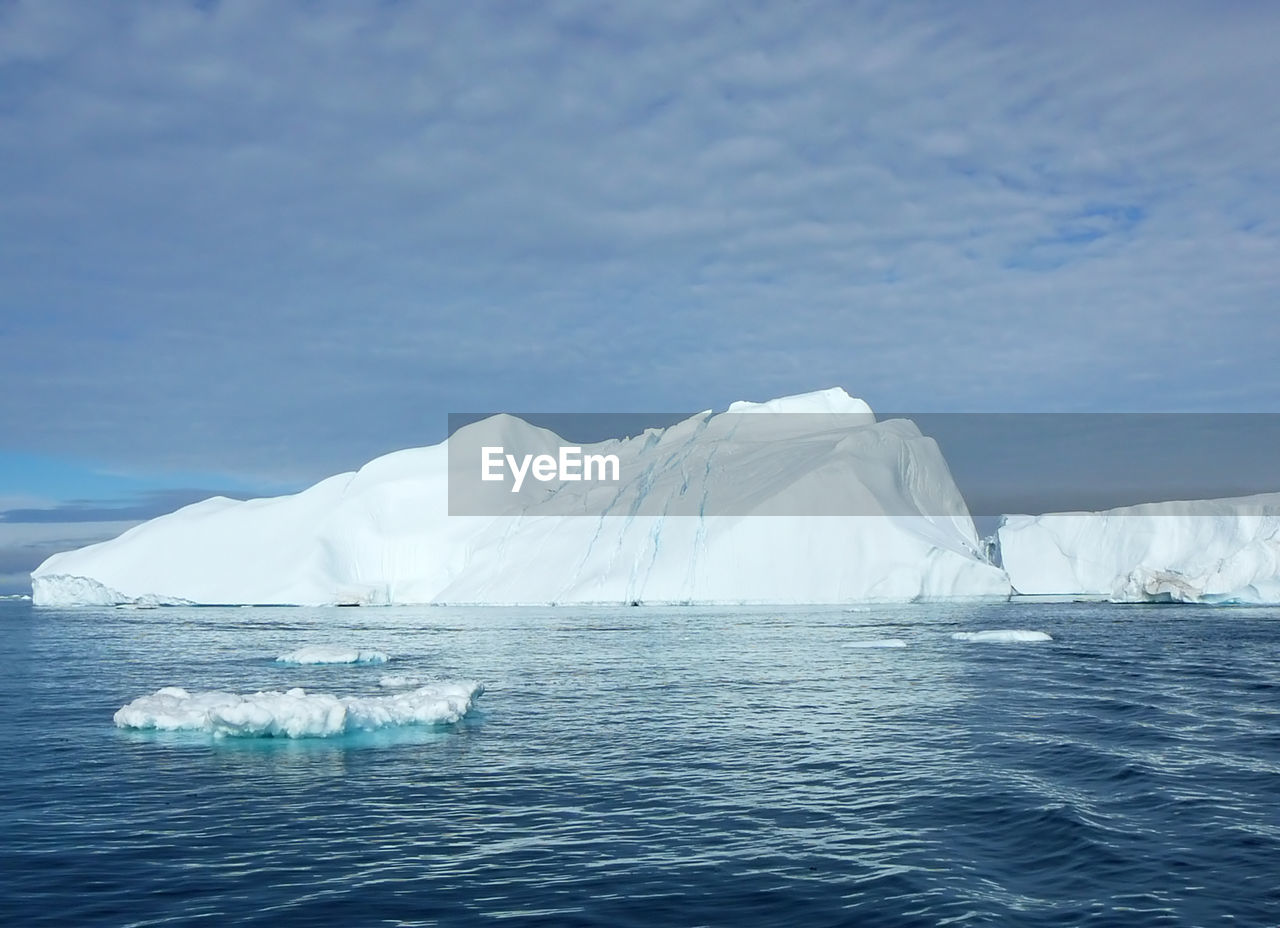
x,y
656,766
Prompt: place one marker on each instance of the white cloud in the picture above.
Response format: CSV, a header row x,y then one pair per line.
x,y
285,237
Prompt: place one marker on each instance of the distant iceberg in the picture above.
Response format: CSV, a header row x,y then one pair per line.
x,y
295,713
775,535
1204,551
332,654
1002,636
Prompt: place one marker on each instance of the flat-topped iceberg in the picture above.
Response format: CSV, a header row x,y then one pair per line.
x,y
833,508
1203,551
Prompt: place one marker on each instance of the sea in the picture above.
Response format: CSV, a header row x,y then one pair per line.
x,y
654,766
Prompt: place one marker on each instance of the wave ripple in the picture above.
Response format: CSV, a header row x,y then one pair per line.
x,y
645,766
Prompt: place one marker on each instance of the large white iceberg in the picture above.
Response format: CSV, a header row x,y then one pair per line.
x,y
1207,551
701,515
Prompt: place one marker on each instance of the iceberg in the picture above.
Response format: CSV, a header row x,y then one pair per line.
x,y
295,713
1200,551
1002,636
701,514
332,654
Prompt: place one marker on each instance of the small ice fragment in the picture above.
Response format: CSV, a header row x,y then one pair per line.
x,y
332,654
1002,636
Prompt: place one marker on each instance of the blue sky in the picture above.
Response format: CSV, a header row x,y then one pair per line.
x,y
247,245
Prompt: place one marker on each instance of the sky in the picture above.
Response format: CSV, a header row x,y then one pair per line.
x,y
244,246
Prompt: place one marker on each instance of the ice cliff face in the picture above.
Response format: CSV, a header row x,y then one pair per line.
x,y
698,517
1212,551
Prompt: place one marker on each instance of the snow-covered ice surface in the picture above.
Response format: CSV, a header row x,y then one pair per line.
x,y
397,681
383,535
1002,636
332,654
1204,551
295,713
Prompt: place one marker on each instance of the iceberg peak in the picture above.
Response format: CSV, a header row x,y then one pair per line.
x,y
833,400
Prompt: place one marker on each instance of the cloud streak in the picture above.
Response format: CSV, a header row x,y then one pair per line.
x,y
23,546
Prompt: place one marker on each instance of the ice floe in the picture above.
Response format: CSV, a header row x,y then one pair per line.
x,y
332,654
296,713
1002,636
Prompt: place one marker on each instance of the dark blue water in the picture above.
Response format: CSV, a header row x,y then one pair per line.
x,y
648,766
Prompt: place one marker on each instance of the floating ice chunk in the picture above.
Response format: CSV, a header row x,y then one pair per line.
x,y
1002,636
876,643
397,681
332,654
296,713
